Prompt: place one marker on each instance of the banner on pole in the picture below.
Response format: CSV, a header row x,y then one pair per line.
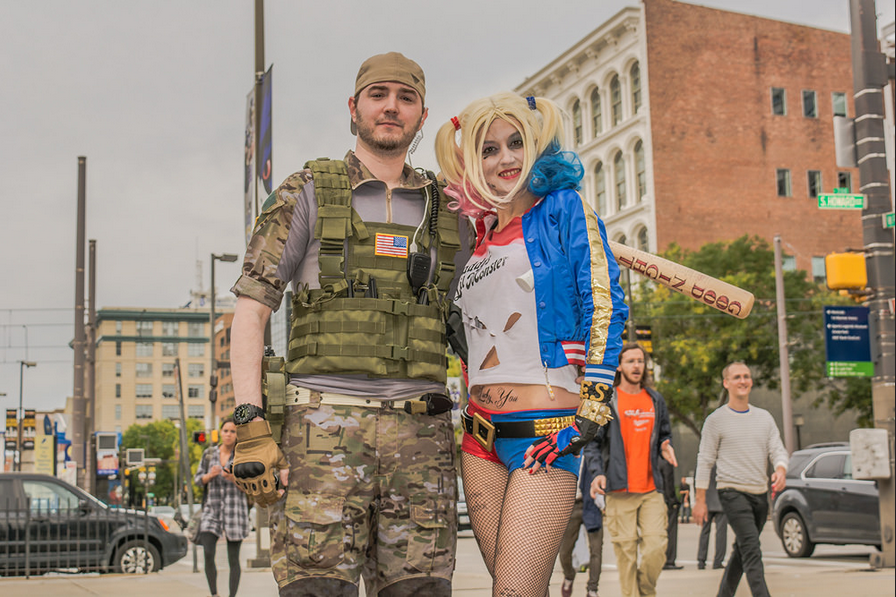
x,y
265,146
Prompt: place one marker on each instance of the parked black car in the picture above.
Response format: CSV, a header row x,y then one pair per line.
x,y
47,524
822,503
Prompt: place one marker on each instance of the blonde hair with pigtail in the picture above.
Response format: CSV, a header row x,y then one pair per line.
x,y
461,163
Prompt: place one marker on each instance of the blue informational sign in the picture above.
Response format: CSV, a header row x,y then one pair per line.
x,y
847,342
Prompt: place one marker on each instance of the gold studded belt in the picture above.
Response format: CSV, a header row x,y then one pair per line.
x,y
485,432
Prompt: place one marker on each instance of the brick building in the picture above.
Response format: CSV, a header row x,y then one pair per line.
x,y
698,125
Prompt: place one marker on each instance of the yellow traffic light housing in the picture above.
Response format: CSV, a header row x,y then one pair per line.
x,y
214,436
845,271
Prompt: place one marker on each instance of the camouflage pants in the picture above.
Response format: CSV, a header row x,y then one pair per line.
x,y
372,494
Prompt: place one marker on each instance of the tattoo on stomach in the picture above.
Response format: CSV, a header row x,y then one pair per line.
x,y
497,397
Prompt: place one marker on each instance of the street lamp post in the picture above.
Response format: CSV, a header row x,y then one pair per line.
x,y
22,365
213,374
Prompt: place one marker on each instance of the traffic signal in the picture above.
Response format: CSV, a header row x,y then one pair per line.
x,y
845,271
214,436
200,437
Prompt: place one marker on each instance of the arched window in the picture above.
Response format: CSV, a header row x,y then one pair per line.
x,y
616,100
619,177
640,170
600,189
643,241
577,122
621,240
636,87
595,112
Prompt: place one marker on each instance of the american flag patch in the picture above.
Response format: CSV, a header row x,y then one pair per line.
x,y
391,245
575,352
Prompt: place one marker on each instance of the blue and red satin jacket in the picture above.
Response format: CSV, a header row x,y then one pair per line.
x,y
580,305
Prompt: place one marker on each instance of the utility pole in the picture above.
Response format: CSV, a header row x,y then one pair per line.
x,y
783,351
186,472
869,78
90,392
78,405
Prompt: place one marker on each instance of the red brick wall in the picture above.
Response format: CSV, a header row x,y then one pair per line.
x,y
716,144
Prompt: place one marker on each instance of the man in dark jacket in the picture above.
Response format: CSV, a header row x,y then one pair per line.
x,y
624,461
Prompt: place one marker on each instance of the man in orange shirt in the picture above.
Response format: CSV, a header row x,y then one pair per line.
x,y
624,462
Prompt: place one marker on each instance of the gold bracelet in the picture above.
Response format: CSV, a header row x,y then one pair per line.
x,y
595,411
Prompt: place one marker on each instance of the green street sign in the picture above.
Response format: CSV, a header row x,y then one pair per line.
x,y
841,201
888,220
850,369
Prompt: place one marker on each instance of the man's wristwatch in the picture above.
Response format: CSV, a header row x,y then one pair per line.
x,y
244,413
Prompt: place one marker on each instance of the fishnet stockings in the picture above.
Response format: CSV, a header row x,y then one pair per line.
x,y
518,520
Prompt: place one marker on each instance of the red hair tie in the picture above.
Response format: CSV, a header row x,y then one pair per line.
x,y
455,122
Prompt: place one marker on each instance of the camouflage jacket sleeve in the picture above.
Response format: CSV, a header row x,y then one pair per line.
x,y
264,277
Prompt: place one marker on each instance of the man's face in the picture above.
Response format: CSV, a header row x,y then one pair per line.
x,y
738,381
387,116
631,366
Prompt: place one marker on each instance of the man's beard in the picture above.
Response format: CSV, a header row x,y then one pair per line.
x,y
634,382
388,145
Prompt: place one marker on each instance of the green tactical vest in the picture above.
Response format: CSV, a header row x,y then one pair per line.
x,y
336,329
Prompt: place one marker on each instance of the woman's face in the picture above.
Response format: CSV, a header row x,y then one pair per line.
x,y
228,434
503,154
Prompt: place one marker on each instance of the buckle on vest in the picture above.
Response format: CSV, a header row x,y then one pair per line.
x,y
487,439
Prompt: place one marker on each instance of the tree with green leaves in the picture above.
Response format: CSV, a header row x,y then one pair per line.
x,y
693,342
161,439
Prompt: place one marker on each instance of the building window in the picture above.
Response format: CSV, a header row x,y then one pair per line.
x,y
118,349
783,182
595,112
117,412
144,390
168,390
170,411
143,411
144,349
619,176
196,330
636,88
788,263
195,391
117,369
621,240
779,101
169,328
196,369
640,170
810,105
118,390
643,241
616,100
600,189
167,369
813,179
195,349
144,369
844,181
577,122
818,270
169,349
144,328
838,103
118,328
196,411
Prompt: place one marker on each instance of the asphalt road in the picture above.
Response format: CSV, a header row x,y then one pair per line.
x,y
840,571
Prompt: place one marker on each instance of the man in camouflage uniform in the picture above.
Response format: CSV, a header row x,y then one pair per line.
x,y
370,485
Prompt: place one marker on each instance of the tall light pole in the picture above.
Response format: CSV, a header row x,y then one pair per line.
x,y
213,373
22,365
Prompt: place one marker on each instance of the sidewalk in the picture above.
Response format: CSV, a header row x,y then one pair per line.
x,y
838,571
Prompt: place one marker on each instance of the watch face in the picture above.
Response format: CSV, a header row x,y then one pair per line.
x,y
241,414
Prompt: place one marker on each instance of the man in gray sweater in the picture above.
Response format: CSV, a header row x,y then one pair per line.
x,y
738,439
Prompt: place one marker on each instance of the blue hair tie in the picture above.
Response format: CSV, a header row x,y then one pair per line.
x,y
531,101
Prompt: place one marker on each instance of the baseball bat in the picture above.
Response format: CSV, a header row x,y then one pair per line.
x,y
720,295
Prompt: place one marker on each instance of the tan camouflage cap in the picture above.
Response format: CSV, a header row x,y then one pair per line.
x,y
391,67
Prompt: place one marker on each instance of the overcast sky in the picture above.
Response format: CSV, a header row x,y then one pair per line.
x,y
153,92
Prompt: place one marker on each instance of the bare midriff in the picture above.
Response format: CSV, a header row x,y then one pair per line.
x,y
509,397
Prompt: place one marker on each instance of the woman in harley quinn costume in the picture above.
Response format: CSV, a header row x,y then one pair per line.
x,y
543,313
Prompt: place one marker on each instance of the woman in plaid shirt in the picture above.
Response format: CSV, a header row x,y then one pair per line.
x,y
224,509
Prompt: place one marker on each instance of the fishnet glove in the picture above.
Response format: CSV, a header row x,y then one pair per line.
x,y
257,462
